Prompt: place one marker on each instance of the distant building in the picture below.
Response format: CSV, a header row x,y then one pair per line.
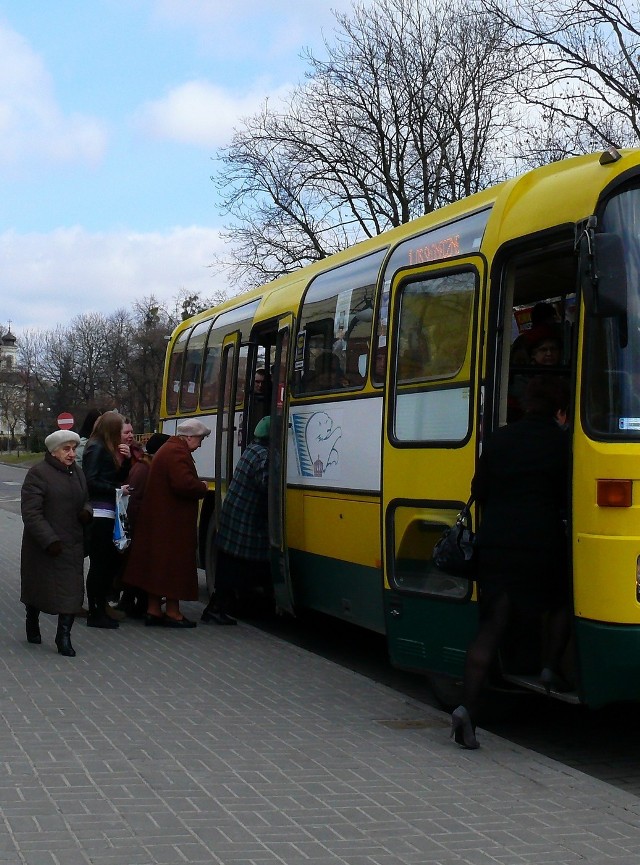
x,y
8,350
12,396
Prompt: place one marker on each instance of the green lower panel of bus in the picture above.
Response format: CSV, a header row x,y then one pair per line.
x,y
341,589
609,657
428,634
425,634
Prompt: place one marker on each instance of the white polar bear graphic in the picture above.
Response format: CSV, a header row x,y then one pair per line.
x,y
321,439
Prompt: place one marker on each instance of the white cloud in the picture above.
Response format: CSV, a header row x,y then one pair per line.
x,y
47,279
201,113
31,122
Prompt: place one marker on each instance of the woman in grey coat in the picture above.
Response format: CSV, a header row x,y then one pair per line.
x,y
55,507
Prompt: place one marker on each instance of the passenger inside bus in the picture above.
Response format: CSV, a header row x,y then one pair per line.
x,y
538,348
380,363
545,347
542,314
327,372
261,393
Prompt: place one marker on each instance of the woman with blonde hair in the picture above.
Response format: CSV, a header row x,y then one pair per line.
x,y
106,463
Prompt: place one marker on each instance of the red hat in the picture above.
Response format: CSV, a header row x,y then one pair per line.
x,y
541,333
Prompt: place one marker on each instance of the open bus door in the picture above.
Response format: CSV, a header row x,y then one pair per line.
x,y
429,448
225,422
283,594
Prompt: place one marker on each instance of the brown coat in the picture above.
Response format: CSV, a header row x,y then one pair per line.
x,y
52,498
162,557
137,479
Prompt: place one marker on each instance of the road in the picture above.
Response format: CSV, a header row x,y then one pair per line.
x,y
11,478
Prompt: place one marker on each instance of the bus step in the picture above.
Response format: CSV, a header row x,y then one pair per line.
x,y
533,683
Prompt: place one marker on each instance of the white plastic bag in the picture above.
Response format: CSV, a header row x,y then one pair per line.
x,y
121,534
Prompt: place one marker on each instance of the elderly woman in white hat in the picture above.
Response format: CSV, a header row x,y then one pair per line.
x,y
55,507
162,561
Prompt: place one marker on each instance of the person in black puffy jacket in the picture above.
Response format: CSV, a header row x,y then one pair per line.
x,y
521,486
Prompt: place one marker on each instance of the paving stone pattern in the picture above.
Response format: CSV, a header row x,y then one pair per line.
x,y
226,745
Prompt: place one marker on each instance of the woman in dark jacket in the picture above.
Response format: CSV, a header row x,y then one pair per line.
x,y
106,463
521,487
54,506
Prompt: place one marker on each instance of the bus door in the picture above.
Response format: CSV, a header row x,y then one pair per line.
x,y
225,419
429,450
278,469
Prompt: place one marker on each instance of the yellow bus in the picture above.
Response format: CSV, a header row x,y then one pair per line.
x,y
389,363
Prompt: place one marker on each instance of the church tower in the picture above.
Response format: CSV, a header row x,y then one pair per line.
x,y
8,350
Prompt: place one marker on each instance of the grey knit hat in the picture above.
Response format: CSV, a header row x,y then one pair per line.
x,y
60,437
192,427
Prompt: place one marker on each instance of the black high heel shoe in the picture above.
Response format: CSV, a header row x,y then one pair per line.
x,y
463,730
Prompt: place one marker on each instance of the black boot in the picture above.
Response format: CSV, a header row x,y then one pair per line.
x,y
63,635
97,617
33,624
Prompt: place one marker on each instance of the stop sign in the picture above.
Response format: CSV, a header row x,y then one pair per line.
x,y
65,420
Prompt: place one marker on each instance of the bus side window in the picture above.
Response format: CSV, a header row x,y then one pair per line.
x,y
242,375
335,327
210,373
434,327
192,367
174,375
432,357
239,319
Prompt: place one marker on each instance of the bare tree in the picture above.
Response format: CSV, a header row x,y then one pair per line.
x,y
88,341
151,326
187,303
11,400
579,61
58,389
29,366
97,361
406,113
120,338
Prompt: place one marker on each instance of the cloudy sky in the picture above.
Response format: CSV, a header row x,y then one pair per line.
x,y
110,115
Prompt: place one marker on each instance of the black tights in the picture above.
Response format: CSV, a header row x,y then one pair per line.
x,y
103,563
484,648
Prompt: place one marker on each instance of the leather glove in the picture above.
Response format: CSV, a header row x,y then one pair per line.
x,y
54,549
84,517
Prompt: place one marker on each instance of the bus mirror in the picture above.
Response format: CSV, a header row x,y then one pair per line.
x,y
603,276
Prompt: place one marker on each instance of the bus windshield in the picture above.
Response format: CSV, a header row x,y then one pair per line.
x,y
611,395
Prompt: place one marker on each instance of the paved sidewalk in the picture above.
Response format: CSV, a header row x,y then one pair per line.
x,y
229,746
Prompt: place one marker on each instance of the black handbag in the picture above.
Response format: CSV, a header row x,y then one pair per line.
x,y
455,551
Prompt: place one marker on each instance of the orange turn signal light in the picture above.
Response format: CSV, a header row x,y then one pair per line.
x,y
614,493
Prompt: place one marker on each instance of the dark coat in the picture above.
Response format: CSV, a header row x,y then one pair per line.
x,y
52,498
243,530
102,474
138,477
162,557
521,485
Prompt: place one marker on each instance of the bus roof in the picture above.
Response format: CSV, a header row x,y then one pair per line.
x,y
555,194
